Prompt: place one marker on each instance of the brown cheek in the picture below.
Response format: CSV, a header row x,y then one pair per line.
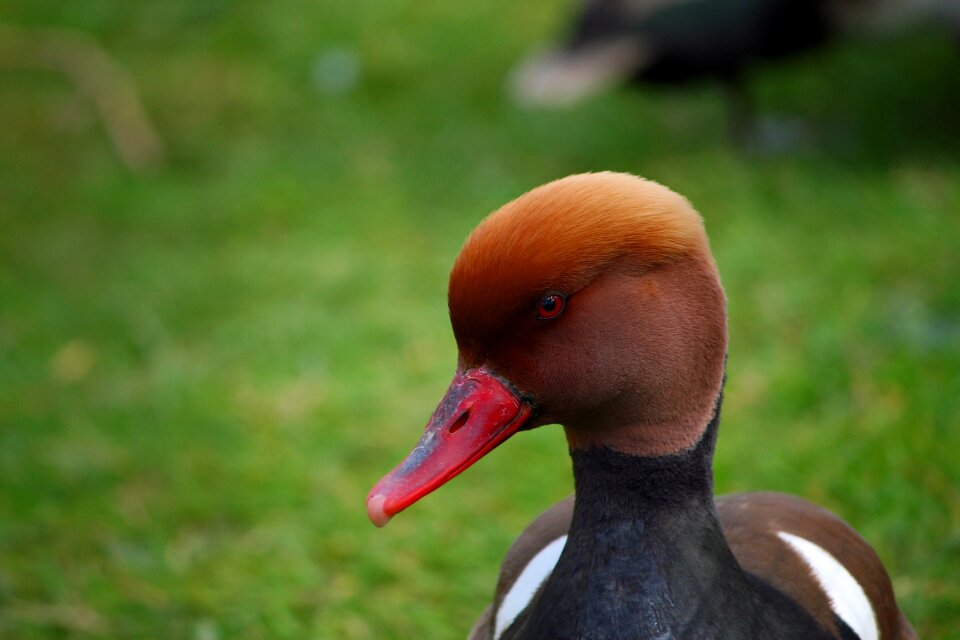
x,y
609,352
570,363
649,288
522,362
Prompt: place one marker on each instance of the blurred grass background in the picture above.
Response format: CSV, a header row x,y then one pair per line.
x,y
204,368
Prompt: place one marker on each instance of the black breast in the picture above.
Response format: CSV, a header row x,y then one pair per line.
x,y
646,559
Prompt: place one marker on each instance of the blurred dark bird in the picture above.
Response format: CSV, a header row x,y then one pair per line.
x,y
612,42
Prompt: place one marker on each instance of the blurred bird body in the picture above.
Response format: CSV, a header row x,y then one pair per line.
x,y
671,41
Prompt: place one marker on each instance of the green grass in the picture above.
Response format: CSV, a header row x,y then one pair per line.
x,y
203,370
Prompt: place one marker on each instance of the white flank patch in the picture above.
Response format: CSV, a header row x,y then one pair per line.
x,y
527,584
846,595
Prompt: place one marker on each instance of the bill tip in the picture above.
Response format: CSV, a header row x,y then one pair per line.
x,y
375,511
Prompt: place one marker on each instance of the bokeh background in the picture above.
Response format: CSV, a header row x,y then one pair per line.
x,y
211,347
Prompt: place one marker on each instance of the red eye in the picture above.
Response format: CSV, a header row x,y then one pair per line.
x,y
551,306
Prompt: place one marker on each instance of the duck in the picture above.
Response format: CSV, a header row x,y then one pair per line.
x,y
594,302
674,42
610,42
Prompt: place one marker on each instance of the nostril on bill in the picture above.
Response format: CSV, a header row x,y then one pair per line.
x,y
459,422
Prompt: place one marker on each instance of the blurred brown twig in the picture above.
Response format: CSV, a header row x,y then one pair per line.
x,y
97,76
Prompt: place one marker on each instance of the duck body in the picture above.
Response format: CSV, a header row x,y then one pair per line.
x,y
662,548
611,43
593,302
668,42
703,38
654,547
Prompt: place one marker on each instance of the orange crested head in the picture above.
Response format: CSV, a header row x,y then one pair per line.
x,y
591,302
558,238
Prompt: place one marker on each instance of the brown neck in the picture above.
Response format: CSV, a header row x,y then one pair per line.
x,y
676,356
